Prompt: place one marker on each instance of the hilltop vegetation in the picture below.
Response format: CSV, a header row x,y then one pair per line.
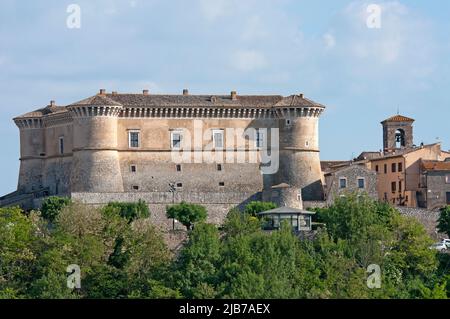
x,y
122,255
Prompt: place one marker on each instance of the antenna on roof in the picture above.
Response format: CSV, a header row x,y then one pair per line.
x,y
398,110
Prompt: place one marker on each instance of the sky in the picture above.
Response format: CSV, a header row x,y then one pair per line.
x,y
324,49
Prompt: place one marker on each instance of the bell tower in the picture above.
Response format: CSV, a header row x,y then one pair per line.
x,y
397,133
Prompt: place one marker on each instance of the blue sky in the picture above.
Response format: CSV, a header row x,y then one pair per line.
x,y
320,48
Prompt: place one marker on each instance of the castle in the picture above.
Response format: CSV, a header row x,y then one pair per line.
x,y
120,147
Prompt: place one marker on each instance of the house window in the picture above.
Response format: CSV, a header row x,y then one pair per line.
x,y
61,145
385,197
361,182
133,139
133,168
394,167
342,182
218,138
219,167
221,184
400,186
306,143
135,187
447,179
259,139
393,187
400,167
288,122
376,168
178,168
385,168
175,139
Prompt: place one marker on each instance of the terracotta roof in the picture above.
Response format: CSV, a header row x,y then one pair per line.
x,y
402,152
166,100
330,165
97,100
428,165
43,111
398,118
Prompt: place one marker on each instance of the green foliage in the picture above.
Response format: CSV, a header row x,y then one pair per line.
x,y
129,211
52,206
187,214
255,207
444,221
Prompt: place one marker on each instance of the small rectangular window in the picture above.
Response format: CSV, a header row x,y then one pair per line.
x,y
259,139
218,138
400,167
393,187
219,167
133,168
361,183
376,168
221,184
179,185
61,145
178,168
288,122
385,168
133,139
394,167
342,183
135,187
175,139
399,186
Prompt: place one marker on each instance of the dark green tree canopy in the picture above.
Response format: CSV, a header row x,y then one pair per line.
x,y
256,207
187,214
52,206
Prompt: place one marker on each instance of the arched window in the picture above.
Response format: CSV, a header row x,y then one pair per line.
x,y
400,138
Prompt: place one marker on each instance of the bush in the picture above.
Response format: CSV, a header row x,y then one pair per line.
x,y
444,221
52,206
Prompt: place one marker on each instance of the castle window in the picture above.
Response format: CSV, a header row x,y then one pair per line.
x,y
361,182
217,138
133,168
219,167
133,139
385,168
288,122
175,139
61,145
221,184
259,139
394,167
342,182
306,143
179,185
393,187
135,187
400,167
178,168
376,168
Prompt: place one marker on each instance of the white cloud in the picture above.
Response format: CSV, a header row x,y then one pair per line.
x,y
214,9
248,60
329,40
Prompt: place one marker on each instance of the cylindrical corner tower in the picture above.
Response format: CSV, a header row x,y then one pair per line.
x,y
32,152
95,164
299,146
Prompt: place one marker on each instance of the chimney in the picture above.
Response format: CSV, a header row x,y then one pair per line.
x,y
233,95
145,92
52,103
301,95
102,92
114,92
185,92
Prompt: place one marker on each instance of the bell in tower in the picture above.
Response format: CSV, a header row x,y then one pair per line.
x,y
397,133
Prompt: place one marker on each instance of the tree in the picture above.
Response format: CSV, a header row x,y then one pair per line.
x,y
187,214
52,206
129,211
255,207
444,221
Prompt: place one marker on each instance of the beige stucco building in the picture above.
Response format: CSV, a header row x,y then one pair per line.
x,y
115,146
